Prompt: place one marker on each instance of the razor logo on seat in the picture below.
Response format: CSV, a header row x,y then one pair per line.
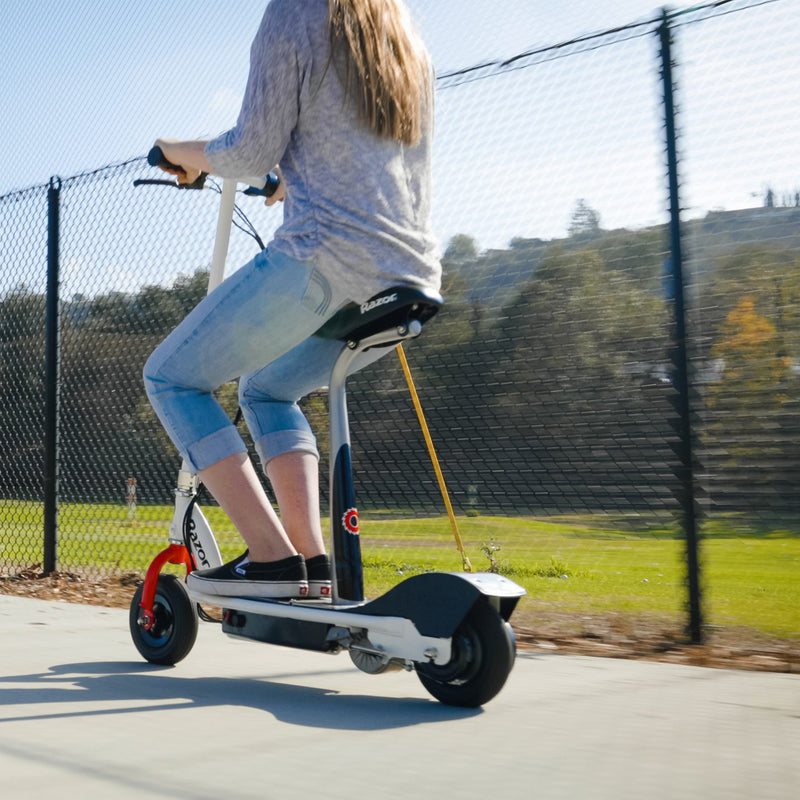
x,y
378,301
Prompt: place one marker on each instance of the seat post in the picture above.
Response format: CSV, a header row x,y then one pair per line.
x,y
348,577
381,323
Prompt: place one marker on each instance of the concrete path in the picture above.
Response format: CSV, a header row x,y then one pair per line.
x,y
82,716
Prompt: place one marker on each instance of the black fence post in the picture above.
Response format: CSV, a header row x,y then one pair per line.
x,y
52,355
679,354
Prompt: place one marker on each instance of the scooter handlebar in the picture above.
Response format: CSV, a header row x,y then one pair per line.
x,y
264,187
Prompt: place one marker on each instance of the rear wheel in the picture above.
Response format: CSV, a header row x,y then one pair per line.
x,y
174,629
482,657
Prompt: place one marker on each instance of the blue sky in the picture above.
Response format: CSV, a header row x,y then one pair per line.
x,y
93,81
84,84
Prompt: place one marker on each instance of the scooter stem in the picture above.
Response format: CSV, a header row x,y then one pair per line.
x,y
224,223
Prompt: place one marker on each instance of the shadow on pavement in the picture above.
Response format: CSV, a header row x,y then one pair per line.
x,y
144,685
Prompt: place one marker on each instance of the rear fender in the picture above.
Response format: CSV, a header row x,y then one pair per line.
x,y
438,602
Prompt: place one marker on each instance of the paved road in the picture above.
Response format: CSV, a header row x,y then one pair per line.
x,y
82,716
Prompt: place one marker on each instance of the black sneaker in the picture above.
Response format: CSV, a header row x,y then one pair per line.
x,y
244,578
319,576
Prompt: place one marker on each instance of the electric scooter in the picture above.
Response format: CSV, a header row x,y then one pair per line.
x,y
452,629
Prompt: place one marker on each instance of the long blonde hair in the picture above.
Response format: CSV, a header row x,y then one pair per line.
x,y
383,63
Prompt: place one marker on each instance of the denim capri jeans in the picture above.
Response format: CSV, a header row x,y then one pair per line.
x,y
256,326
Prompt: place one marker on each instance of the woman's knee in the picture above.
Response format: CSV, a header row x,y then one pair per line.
x,y
252,395
149,377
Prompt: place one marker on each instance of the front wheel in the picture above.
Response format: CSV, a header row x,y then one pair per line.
x,y
482,657
174,630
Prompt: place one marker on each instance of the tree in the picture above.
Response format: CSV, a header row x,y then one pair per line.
x,y
22,352
744,444
748,348
584,222
460,248
766,273
556,390
640,254
462,310
22,314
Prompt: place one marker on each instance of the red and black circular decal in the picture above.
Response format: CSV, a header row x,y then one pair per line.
x,y
350,520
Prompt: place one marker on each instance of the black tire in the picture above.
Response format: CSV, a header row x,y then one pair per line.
x,y
174,631
484,649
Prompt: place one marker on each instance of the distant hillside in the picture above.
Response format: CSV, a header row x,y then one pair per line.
x,y
720,233
492,276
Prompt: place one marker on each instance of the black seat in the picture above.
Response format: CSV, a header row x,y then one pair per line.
x,y
392,308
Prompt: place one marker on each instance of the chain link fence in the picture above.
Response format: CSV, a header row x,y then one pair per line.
x,y
547,380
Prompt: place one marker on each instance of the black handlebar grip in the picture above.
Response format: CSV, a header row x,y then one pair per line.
x,y
155,158
270,187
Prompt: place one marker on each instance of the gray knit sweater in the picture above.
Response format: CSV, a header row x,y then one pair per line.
x,y
356,204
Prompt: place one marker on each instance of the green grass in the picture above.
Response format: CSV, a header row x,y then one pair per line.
x,y
587,565
578,564
97,537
